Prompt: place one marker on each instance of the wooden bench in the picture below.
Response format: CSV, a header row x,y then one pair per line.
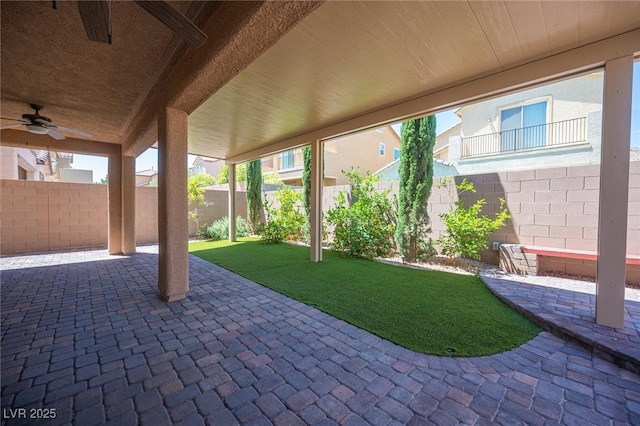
x,y
526,260
572,254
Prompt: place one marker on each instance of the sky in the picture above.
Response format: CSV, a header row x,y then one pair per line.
x,y
444,120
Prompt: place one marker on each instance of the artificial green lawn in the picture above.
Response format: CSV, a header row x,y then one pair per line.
x,y
427,311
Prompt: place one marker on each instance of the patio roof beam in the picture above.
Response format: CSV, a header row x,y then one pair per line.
x,y
20,139
245,31
534,73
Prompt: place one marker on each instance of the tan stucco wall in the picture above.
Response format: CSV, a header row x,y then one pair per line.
x,y
354,150
360,149
8,163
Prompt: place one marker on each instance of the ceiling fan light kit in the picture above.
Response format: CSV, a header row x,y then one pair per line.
x,y
37,128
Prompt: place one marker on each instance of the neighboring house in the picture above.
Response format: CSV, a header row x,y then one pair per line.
x,y
61,166
441,168
553,125
206,165
441,148
24,164
31,164
147,177
370,151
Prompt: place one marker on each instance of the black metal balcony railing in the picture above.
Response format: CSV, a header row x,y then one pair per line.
x,y
525,138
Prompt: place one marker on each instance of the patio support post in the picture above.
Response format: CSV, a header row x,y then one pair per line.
x,y
128,205
614,192
114,196
316,201
173,220
232,202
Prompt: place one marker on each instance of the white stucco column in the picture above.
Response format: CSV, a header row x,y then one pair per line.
x,y
114,194
316,201
128,205
232,202
173,207
614,192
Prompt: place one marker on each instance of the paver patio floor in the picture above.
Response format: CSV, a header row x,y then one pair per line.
x,y
86,334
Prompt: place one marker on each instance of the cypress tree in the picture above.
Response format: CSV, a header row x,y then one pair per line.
x,y
254,194
416,178
306,180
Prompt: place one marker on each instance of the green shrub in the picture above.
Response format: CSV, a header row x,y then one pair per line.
x,y
364,228
467,230
286,222
219,230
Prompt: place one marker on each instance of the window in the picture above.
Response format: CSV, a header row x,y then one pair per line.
x,y
22,173
396,153
287,160
381,150
523,127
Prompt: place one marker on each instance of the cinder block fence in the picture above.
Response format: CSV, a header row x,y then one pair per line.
x,y
554,208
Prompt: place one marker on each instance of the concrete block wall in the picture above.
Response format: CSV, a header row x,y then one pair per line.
x,y
43,216
216,207
47,216
553,207
515,261
146,215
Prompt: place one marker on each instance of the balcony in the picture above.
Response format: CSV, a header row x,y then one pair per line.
x,y
554,134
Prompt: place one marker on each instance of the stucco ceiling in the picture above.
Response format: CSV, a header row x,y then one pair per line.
x,y
48,59
275,70
348,58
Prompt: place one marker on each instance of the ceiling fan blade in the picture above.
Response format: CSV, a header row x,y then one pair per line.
x,y
176,21
95,18
45,122
64,129
54,134
74,131
13,126
14,119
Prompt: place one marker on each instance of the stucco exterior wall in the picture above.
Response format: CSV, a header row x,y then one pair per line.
x,y
8,163
11,158
355,150
567,99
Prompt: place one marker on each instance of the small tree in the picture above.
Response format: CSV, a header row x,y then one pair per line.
x,y
364,226
196,190
254,195
467,230
223,175
416,179
285,221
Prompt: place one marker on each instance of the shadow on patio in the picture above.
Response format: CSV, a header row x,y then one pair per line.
x,y
94,341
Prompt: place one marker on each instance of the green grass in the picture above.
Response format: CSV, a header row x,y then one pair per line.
x,y
426,311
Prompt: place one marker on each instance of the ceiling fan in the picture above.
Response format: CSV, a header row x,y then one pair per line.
x,y
41,125
96,18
